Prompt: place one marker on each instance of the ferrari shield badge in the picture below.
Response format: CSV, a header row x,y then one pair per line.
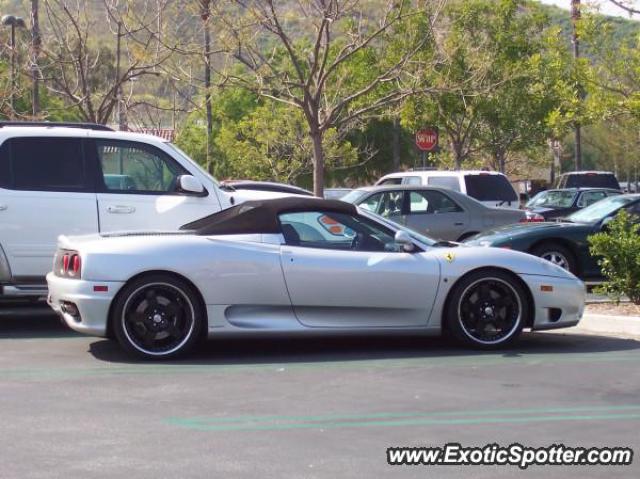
x,y
449,256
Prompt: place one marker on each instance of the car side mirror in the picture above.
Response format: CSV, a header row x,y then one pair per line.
x,y
403,240
189,184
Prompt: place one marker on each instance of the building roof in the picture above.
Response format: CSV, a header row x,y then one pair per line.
x,y
167,134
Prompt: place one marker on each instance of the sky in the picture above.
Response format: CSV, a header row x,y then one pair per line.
x,y
606,7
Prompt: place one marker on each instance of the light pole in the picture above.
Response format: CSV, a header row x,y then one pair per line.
x,y
13,22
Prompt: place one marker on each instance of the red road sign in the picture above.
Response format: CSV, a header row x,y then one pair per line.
x,y
427,139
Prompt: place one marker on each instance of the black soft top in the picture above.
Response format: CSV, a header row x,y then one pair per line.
x,y
261,216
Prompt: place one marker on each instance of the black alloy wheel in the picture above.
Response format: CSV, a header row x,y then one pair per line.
x,y
158,317
487,309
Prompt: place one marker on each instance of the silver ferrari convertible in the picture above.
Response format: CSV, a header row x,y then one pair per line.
x,y
301,265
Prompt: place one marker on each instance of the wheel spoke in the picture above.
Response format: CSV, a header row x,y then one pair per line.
x,y
485,291
503,301
149,338
174,311
174,331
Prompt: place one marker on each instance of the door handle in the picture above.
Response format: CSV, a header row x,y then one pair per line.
x,y
459,223
121,210
3,207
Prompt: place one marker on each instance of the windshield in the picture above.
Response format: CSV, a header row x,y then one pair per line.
x,y
353,196
553,199
187,158
592,180
600,210
485,187
413,233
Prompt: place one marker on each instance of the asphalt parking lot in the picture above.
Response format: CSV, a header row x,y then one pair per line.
x,y
75,406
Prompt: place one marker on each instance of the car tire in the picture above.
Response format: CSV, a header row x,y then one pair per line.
x,y
487,309
556,254
158,316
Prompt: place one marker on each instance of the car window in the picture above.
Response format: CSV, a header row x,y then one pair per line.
x,y
591,180
486,187
391,181
387,203
338,231
43,164
589,197
412,180
353,196
553,199
134,167
597,211
451,182
431,202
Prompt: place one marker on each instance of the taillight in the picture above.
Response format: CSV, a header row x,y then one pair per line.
x,y
65,264
531,217
76,265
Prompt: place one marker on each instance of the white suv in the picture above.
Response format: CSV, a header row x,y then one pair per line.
x,y
76,179
489,187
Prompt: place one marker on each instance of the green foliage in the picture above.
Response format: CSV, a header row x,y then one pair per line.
x,y
272,143
490,99
618,248
260,139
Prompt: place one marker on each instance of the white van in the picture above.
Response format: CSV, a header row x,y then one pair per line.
x,y
74,179
489,187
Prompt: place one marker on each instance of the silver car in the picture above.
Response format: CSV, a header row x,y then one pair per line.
x,y
438,212
301,266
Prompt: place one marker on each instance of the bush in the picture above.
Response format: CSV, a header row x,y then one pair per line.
x,y
618,252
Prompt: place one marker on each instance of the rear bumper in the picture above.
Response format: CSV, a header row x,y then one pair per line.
x,y
562,307
93,307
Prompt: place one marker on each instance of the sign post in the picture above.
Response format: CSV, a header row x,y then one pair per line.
x,y
427,141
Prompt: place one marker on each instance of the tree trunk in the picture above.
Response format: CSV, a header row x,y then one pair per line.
x,y
207,89
318,163
396,145
35,53
122,114
456,146
500,161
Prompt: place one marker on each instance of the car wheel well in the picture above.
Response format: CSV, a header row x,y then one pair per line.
x,y
196,291
515,277
570,247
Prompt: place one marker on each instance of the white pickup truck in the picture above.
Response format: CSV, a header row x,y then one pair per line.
x,y
76,179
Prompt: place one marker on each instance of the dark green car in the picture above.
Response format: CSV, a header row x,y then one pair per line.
x,y
563,243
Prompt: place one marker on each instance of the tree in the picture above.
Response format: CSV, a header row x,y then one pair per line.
x,y
36,44
272,143
79,70
258,138
205,14
513,115
489,97
630,6
301,54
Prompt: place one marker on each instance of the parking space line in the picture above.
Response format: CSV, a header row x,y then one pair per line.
x,y
480,360
261,423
